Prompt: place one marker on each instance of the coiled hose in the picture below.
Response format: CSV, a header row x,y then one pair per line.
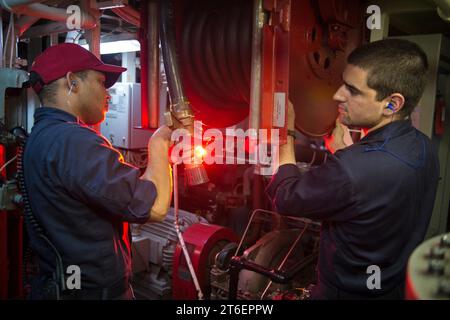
x,y
21,138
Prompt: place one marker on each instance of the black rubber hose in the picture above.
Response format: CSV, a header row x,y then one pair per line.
x,y
21,138
171,66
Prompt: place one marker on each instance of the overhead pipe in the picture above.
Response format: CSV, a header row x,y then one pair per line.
x,y
180,108
54,14
59,27
10,4
45,30
24,23
109,17
128,14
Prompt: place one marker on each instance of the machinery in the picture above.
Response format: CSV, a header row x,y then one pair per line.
x,y
154,251
229,64
428,270
275,259
123,118
236,62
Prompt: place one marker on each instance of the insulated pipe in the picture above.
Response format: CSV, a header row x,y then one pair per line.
x,y
45,30
54,14
443,9
24,23
10,4
128,14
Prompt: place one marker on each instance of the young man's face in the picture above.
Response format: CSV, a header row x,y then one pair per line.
x,y
357,102
93,98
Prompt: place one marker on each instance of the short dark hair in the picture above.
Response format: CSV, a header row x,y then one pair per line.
x,y
393,65
48,92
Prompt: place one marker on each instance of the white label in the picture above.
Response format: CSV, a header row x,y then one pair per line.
x,y
279,109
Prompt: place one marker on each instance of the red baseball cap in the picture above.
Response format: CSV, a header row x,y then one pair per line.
x,y
56,61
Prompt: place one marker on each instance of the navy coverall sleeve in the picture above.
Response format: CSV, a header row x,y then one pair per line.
x,y
87,167
323,193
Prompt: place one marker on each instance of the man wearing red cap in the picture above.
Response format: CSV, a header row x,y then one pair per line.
x,y
81,192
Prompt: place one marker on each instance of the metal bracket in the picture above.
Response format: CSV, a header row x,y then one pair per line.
x,y
9,196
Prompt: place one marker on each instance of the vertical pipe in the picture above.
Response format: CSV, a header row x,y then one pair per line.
x,y
93,34
1,38
255,80
93,39
153,63
143,40
13,40
54,39
128,61
149,39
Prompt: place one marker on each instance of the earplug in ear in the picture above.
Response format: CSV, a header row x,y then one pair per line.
x,y
71,86
390,106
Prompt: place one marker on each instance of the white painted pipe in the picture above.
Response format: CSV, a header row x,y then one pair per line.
x,y
54,14
10,4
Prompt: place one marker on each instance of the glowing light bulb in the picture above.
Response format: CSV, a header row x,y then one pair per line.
x,y
199,152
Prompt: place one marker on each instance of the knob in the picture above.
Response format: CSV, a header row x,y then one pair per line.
x,y
444,287
437,253
445,241
436,266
